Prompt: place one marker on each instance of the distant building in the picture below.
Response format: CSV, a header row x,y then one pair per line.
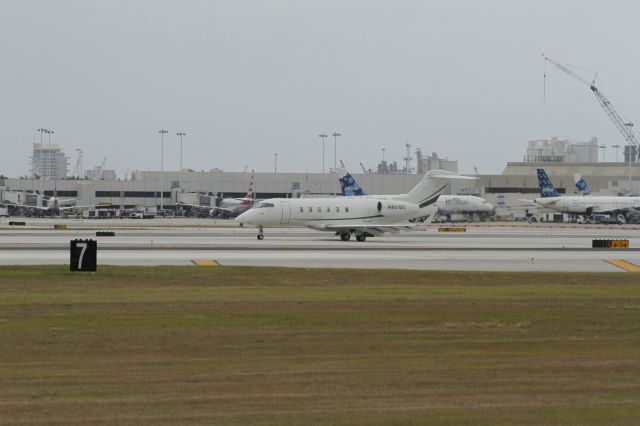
x,y
49,161
385,167
555,150
434,162
98,173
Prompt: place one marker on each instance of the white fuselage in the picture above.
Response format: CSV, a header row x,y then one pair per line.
x,y
320,213
588,204
453,204
234,206
53,204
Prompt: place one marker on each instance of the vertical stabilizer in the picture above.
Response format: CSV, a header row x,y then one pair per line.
x,y
546,187
250,193
581,184
348,184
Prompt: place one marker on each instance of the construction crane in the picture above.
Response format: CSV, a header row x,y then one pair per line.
x,y
77,170
364,170
100,169
625,128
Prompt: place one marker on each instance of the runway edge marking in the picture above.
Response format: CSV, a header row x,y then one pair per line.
x,y
623,264
205,262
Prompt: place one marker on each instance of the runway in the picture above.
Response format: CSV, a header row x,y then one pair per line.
x,y
489,247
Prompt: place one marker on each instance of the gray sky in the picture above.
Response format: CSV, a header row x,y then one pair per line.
x,y
246,79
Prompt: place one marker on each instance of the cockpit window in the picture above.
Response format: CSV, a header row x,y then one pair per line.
x,y
264,205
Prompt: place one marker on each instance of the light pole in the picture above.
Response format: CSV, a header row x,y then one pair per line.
x,y
616,146
323,136
335,152
181,134
275,165
602,147
41,168
383,150
49,133
41,171
630,126
162,132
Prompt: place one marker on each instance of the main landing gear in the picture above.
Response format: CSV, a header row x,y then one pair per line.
x,y
346,236
260,234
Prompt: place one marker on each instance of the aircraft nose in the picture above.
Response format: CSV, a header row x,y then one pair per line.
x,y
244,218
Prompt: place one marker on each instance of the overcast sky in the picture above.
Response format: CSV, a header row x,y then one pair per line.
x,y
245,79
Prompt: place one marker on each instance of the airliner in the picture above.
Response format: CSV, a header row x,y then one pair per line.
x,y
55,205
230,207
580,204
364,216
449,205
445,205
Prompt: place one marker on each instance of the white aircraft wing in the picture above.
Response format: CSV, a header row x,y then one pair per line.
x,y
67,200
376,230
74,207
221,209
197,206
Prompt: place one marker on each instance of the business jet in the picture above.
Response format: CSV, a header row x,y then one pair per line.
x,y
445,205
364,216
580,204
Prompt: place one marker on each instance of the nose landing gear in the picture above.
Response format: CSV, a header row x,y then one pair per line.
x,y
260,234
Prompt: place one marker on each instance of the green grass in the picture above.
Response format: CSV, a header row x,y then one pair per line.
x,y
189,345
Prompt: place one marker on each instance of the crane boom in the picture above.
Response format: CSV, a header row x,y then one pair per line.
x,y
569,72
626,129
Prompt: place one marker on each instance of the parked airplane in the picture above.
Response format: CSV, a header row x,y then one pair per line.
x,y
54,206
364,216
230,207
583,205
445,205
449,205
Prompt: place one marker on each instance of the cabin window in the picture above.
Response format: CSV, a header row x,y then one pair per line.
x,y
337,209
301,209
328,209
319,209
310,209
346,209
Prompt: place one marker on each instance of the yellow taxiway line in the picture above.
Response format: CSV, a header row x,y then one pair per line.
x,y
623,264
205,262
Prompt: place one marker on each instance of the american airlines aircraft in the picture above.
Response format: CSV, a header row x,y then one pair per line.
x,y
580,204
364,216
230,207
445,205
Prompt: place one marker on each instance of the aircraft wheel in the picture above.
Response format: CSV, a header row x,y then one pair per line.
x,y
345,236
260,237
361,238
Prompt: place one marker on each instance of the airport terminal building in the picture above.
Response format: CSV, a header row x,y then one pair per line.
x,y
167,189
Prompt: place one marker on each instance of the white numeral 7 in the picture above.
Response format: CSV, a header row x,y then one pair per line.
x,y
84,248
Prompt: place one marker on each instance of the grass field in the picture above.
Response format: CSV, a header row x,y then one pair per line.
x,y
188,345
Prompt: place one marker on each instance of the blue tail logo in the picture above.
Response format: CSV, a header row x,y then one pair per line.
x,y
546,187
581,184
349,186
